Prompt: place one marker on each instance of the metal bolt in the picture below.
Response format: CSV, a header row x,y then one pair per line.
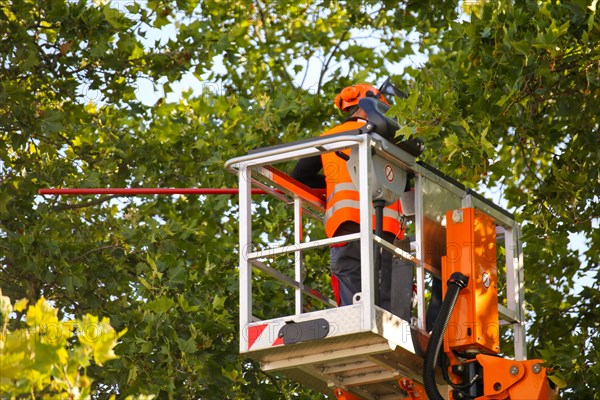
x,y
514,370
457,216
536,368
497,386
369,126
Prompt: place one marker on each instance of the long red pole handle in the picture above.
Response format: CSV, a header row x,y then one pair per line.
x,y
148,191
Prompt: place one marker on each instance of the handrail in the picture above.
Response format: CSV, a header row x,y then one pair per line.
x,y
302,246
337,139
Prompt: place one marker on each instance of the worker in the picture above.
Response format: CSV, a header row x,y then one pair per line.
x,y
342,215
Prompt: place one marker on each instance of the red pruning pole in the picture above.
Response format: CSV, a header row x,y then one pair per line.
x,y
143,191
149,191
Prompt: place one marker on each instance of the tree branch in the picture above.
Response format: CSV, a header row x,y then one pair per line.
x,y
281,71
97,249
325,66
528,162
90,203
306,70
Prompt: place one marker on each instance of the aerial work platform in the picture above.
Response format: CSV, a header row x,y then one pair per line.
x,y
368,363
359,349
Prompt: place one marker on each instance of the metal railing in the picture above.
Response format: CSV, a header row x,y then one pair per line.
x,y
434,195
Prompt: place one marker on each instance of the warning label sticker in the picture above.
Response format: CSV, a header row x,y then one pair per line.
x,y
389,172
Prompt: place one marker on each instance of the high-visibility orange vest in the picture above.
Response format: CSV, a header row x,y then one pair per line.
x,y
342,195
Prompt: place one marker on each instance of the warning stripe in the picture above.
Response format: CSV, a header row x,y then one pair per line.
x,y
278,342
254,333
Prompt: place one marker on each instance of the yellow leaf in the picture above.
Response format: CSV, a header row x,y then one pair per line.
x,y
42,314
558,381
90,108
12,366
87,333
63,355
101,337
20,305
9,14
68,327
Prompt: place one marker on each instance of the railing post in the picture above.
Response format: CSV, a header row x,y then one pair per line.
x,y
520,334
420,270
366,236
298,267
245,243
514,291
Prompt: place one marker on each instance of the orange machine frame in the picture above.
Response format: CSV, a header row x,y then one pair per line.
x,y
471,250
474,325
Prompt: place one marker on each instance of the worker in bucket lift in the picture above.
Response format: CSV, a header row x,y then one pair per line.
x,y
342,215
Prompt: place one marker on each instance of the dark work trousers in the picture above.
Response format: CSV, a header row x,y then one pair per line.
x,y
395,292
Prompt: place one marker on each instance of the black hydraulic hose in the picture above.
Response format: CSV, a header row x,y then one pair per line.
x,y
456,283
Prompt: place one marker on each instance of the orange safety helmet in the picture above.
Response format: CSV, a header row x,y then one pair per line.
x,y
349,96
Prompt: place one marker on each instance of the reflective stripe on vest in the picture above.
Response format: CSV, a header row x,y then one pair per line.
x,y
341,187
388,212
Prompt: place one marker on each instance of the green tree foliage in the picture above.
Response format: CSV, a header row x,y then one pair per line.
x,y
513,96
508,98
38,359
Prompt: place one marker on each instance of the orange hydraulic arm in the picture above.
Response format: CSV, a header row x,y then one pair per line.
x,y
469,324
341,394
414,390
